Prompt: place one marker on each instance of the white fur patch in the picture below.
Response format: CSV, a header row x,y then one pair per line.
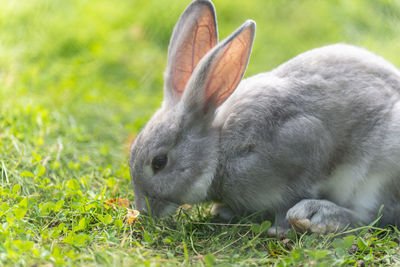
x,y
344,181
198,190
356,187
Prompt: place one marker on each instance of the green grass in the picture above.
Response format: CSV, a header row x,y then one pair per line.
x,y
78,80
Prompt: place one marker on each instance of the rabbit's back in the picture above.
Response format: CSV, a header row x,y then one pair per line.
x,y
331,60
322,125
345,87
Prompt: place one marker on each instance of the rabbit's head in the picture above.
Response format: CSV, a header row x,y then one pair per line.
x,y
175,157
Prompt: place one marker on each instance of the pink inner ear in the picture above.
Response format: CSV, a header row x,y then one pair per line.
x,y
229,68
199,41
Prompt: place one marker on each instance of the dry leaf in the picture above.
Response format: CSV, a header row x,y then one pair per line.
x,y
131,216
121,202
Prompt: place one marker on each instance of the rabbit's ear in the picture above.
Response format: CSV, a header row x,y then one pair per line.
x,y
194,35
220,71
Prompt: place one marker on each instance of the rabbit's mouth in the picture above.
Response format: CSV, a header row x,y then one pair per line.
x,y
156,207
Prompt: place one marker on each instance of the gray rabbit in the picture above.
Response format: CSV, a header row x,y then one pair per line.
x,y
313,144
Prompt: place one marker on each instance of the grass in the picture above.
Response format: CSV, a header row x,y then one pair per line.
x,y
78,80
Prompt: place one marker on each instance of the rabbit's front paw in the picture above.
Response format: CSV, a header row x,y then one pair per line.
x,y
318,216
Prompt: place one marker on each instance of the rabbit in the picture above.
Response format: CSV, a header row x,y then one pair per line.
x,y
312,145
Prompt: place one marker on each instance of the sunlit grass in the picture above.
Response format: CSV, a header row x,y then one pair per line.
x,y
79,79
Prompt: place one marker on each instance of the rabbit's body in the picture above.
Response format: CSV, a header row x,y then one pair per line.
x,y
324,125
315,143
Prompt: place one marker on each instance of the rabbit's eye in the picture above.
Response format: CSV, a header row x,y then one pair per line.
x,y
158,163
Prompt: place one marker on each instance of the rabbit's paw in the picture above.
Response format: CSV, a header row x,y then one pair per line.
x,y
318,216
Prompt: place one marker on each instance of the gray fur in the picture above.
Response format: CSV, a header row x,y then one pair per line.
x,y
315,142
